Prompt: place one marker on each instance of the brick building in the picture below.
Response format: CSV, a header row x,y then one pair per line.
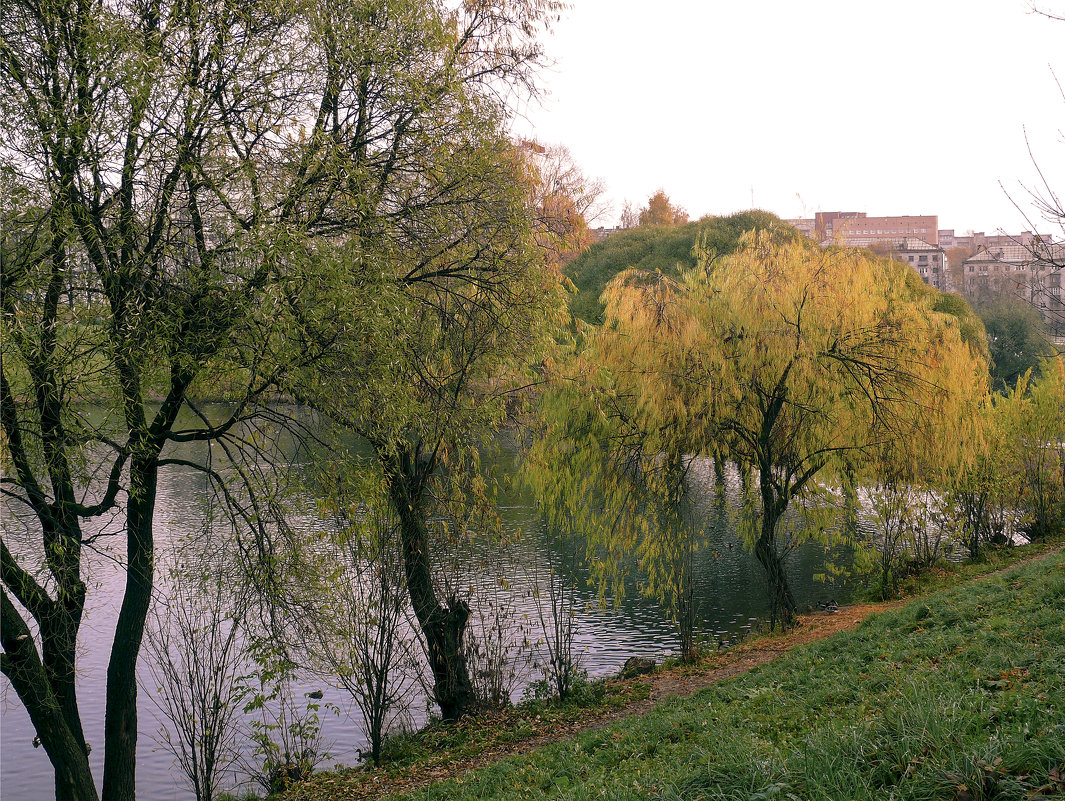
x,y
843,227
978,239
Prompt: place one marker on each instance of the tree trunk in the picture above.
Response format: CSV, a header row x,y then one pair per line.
x,y
443,626
719,470
120,717
22,665
782,602
686,599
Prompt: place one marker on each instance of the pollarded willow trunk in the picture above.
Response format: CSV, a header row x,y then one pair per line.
x,y
443,625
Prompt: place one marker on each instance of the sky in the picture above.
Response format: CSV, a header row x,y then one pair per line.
x,y
894,108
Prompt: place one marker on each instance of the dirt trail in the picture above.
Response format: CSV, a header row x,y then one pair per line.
x,y
683,680
679,681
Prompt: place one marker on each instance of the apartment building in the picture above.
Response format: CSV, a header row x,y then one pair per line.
x,y
1033,274
978,239
912,239
843,227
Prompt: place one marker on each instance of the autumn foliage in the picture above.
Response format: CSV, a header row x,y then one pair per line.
x,y
793,362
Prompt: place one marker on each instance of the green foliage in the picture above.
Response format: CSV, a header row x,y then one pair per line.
x,y
1016,336
313,202
287,736
581,692
665,249
1033,420
971,326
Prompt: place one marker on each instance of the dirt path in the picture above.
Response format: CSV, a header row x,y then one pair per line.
x,y
680,681
683,681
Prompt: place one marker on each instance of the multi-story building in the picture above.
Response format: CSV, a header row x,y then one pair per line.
x,y
912,239
602,233
1033,274
930,261
978,239
806,227
842,227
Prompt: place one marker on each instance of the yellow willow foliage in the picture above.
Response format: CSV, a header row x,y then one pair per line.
x,y
793,360
831,347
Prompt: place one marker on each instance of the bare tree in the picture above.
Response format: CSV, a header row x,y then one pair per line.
x,y
197,655
497,648
630,217
555,599
360,635
1044,204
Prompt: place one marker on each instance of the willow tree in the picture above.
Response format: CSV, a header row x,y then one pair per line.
x,y
424,370
793,361
200,200
1032,417
442,304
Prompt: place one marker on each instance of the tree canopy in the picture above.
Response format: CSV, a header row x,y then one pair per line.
x,y
660,211
218,199
1017,338
666,249
793,361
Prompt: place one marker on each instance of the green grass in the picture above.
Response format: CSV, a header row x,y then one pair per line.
x,y
484,733
960,694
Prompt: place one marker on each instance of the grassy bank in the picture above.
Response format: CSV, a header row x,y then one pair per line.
x,y
957,695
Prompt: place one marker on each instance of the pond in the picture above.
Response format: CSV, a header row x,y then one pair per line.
x,y
729,590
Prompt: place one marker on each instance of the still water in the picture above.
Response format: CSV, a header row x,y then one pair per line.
x,y
729,591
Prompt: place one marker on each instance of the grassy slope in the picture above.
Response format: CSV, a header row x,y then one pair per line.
x,y
957,695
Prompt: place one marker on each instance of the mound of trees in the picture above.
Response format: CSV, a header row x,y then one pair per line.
x,y
666,249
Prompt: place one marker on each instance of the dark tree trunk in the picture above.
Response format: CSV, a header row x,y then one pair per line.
x,y
59,632
22,665
443,626
120,717
686,617
719,471
45,680
782,602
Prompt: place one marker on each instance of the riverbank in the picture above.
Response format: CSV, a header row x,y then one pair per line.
x,y
922,697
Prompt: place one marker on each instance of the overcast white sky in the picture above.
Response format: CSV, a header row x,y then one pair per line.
x,y
900,107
